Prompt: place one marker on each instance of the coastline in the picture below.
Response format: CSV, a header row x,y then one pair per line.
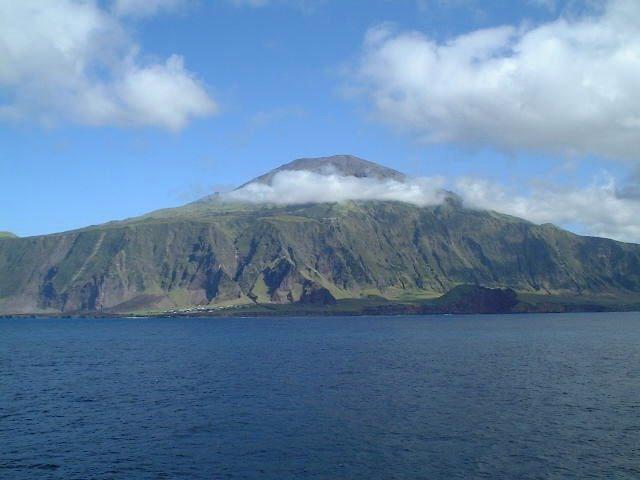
x,y
270,311
460,300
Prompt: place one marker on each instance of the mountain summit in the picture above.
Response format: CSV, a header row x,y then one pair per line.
x,y
212,256
343,165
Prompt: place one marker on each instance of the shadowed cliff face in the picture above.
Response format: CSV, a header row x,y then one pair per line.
x,y
208,254
278,254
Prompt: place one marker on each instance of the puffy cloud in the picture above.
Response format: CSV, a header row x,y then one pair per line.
x,y
569,86
631,189
294,187
71,60
600,208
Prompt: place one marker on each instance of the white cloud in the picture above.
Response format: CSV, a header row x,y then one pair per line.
x,y
295,187
144,8
73,61
570,86
598,209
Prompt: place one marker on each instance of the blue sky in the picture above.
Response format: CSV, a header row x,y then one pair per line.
x,y
272,81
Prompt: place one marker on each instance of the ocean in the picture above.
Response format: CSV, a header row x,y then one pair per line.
x,y
409,397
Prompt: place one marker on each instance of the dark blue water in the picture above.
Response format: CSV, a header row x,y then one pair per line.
x,y
514,397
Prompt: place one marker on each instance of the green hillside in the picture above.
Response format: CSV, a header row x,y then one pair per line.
x,y
214,255
204,254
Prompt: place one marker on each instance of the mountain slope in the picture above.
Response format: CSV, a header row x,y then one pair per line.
x,y
345,165
225,254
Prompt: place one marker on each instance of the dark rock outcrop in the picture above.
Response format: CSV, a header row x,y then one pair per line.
x,y
314,294
474,299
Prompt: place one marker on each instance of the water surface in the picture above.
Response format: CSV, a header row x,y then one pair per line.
x,y
521,396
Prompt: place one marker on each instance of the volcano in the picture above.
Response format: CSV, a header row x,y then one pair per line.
x,y
357,256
